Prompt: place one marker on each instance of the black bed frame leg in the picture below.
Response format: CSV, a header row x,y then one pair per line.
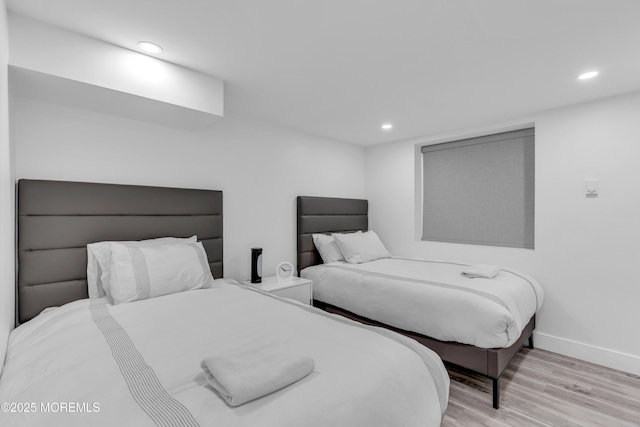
x,y
530,341
496,392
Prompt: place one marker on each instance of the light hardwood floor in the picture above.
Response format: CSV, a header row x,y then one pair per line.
x,y
541,388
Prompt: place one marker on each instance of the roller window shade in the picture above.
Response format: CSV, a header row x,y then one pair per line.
x,y
481,190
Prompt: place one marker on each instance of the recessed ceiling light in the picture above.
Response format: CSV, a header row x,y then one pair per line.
x,y
587,76
387,126
150,47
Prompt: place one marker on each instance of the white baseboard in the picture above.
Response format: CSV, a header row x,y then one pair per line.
x,y
598,355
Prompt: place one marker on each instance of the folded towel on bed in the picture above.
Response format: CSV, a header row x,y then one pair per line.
x,y
483,271
243,374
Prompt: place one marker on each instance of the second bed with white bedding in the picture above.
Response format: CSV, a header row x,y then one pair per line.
x,y
431,298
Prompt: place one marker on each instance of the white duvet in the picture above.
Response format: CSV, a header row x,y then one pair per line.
x,y
138,364
432,298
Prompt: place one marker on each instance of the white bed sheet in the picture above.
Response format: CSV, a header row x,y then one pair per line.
x,y
432,298
362,378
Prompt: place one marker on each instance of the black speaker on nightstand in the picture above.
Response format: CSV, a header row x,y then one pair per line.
x,y
256,265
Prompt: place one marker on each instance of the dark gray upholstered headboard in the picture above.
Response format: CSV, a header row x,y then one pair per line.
x,y
57,219
326,215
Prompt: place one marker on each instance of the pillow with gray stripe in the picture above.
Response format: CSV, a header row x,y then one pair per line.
x,y
138,273
99,260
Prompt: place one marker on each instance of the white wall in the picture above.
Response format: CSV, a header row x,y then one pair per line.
x,y
586,249
7,259
260,168
129,83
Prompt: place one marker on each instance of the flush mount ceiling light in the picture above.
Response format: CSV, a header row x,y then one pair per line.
x,y
150,47
387,126
587,76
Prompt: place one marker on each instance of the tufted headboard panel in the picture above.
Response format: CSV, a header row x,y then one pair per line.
x,y
326,215
57,219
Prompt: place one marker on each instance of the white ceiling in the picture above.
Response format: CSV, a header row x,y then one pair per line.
x,y
341,68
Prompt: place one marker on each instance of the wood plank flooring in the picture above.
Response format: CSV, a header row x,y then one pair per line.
x,y
541,388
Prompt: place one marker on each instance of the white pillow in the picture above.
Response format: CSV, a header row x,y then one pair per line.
x,y
358,248
329,251
145,272
99,259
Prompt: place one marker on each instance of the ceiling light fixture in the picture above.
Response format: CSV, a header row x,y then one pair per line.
x,y
587,76
387,126
150,47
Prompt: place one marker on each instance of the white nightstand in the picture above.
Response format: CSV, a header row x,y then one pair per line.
x,y
298,288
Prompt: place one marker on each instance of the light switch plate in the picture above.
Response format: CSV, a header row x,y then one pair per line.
x,y
591,187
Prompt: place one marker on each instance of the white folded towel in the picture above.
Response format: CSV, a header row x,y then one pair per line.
x,y
483,271
240,375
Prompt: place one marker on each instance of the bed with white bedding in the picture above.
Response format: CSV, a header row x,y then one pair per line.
x,y
136,331
432,298
475,323
144,368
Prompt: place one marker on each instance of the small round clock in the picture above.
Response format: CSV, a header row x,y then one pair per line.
x,y
284,272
